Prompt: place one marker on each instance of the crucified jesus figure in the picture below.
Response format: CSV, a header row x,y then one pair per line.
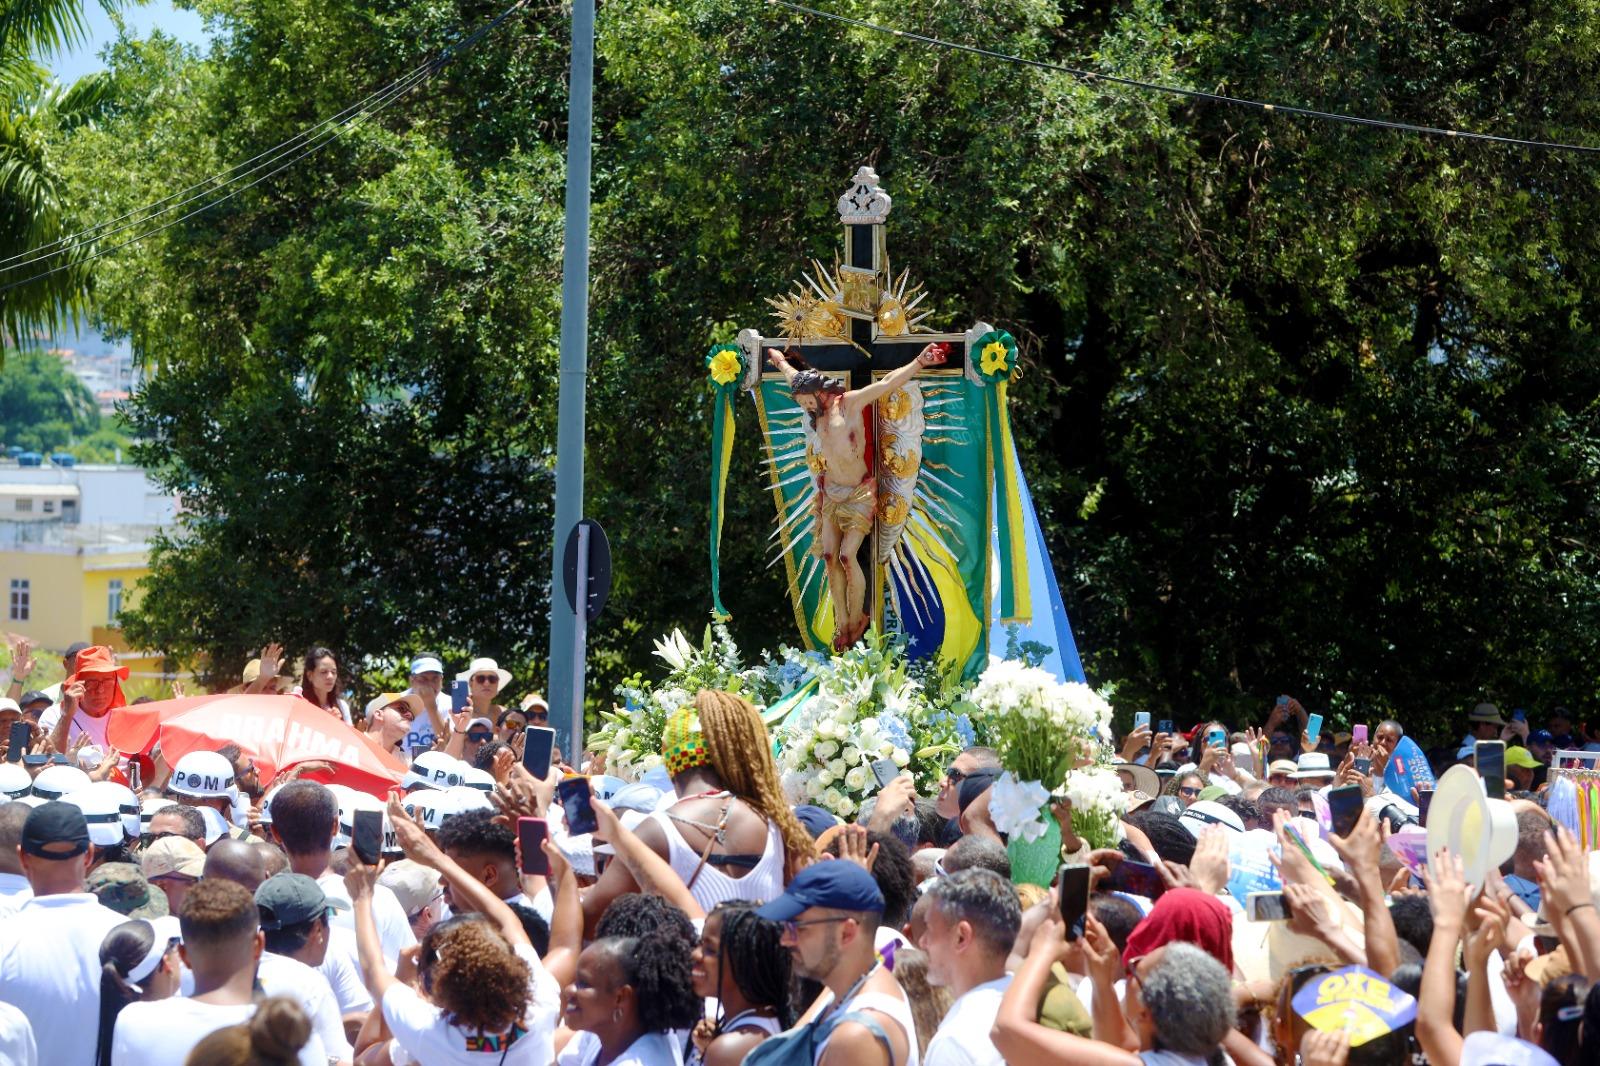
x,y
847,491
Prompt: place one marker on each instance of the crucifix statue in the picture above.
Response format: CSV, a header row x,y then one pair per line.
x,y
878,436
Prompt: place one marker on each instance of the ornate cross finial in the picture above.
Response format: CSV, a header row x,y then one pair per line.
x,y
865,202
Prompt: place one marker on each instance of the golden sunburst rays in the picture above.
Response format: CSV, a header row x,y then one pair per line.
x,y
897,308
822,303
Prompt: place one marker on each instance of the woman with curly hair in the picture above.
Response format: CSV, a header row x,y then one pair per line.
x,y
742,964
731,835
630,993
486,996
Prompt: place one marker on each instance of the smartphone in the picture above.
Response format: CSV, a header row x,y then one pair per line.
x,y
366,836
21,736
573,792
1424,801
1141,719
1491,759
1519,715
31,759
458,696
1283,701
1164,726
1136,878
60,759
1358,734
1363,766
538,744
885,771
1267,907
1345,804
1074,887
1216,738
530,841
1313,727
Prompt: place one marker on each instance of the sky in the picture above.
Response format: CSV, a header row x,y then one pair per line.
x,y
157,14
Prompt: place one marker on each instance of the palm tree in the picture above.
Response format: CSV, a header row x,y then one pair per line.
x,y
33,108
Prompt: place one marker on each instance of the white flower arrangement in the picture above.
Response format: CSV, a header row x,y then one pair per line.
x,y
1042,727
1098,804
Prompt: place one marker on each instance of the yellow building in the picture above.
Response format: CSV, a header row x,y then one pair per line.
x,y
68,583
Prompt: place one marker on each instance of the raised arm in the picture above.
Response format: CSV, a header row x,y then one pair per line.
x,y
782,364
472,894
932,355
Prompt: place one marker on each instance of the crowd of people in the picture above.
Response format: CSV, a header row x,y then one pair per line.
x,y
195,913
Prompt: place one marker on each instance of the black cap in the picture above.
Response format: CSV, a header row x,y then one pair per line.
x,y
74,648
56,831
33,696
292,899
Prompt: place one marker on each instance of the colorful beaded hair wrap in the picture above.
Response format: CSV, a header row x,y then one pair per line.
x,y
683,746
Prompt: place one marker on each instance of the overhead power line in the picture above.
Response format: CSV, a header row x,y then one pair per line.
x,y
290,151
1092,77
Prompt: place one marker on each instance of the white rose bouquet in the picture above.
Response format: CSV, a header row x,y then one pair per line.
x,y
1042,727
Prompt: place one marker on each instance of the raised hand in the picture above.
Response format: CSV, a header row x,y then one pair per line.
x,y
1135,742
1564,872
1158,749
1208,869
1448,892
1309,913
853,847
271,661
21,658
934,354
1324,1049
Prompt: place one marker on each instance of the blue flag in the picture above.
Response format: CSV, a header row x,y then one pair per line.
x,y
1408,769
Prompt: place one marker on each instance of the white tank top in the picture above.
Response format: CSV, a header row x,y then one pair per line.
x,y
712,886
896,1008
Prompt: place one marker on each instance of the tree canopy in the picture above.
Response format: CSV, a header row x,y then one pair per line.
x,y
1307,408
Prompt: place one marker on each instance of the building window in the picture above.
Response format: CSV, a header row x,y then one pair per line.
x,y
113,600
24,503
49,507
20,600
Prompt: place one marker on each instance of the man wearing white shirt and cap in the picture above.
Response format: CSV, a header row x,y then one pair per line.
x,y
427,681
50,949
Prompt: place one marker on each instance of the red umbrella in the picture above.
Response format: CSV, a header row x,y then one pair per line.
x,y
278,732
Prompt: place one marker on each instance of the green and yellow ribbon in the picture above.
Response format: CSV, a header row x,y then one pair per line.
x,y
995,356
725,365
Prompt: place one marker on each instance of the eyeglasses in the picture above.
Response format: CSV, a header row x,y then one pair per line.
x,y
539,716
792,928
486,679
514,727
479,738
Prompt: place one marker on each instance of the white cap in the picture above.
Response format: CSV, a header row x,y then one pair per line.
x,y
1203,814
127,804
203,773
58,782
434,769
103,814
482,780
427,806
216,825
461,799
9,704
426,664
148,809
15,781
167,930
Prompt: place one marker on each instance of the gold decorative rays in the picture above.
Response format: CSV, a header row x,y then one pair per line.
x,y
822,304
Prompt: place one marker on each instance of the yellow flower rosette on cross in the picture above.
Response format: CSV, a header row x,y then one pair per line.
x,y
725,366
994,354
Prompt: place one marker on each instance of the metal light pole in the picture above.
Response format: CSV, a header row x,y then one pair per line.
x,y
566,635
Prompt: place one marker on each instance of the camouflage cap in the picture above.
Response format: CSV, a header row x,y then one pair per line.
x,y
122,887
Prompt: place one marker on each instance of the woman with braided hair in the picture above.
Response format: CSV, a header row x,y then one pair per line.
x,y
741,963
731,835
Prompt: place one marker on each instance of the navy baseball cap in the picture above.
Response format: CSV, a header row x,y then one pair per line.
x,y
1541,736
816,820
833,883
55,831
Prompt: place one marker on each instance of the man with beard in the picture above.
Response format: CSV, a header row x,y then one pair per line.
x,y
88,695
830,913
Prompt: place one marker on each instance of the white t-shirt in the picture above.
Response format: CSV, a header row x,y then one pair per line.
x,y
14,892
341,966
651,1049
963,1036
421,736
280,975
394,928
162,1032
81,724
423,1035
16,1038
50,969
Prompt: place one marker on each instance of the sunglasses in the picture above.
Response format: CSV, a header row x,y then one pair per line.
x,y
479,737
1188,791
539,716
486,679
792,928
954,776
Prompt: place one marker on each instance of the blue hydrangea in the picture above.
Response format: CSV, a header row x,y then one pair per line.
x,y
791,674
964,730
894,730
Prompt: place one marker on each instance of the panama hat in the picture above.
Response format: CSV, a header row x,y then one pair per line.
x,y
1480,831
486,666
1485,713
1143,778
1313,764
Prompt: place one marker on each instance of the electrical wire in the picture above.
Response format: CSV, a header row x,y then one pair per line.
x,y
313,139
1091,76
